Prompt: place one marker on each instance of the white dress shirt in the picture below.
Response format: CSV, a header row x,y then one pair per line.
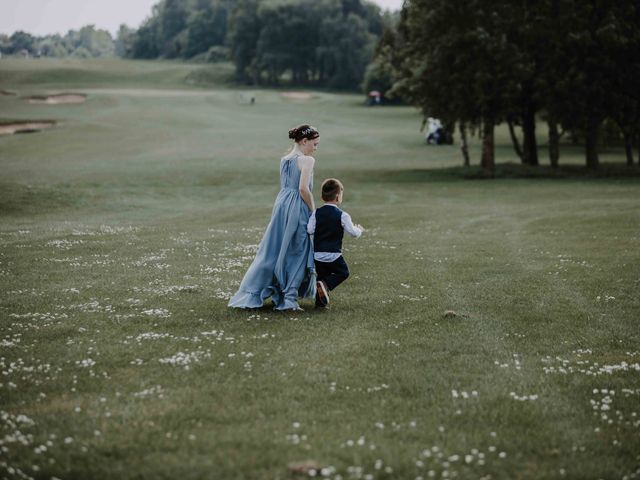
x,y
348,226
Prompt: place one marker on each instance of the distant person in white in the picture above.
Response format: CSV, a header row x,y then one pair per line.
x,y
434,131
328,224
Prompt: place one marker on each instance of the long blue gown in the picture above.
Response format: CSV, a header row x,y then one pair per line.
x,y
283,268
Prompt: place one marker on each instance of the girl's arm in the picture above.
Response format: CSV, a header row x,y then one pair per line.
x,y
306,170
311,224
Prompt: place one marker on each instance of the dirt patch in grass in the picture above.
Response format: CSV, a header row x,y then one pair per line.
x,y
59,98
7,93
24,126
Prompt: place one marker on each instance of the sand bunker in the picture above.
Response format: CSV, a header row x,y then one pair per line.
x,y
58,98
29,126
296,95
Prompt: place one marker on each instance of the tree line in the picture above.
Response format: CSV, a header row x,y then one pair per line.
x,y
325,43
303,42
87,42
573,63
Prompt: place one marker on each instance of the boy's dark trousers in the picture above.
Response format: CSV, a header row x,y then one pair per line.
x,y
332,273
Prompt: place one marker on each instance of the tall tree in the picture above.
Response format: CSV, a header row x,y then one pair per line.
x,y
146,41
124,41
624,45
173,21
52,46
244,29
454,62
592,69
21,41
345,48
524,30
206,27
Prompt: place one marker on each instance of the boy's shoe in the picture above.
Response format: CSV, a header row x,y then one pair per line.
x,y
322,294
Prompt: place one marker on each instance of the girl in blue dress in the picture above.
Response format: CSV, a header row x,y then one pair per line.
x,y
283,268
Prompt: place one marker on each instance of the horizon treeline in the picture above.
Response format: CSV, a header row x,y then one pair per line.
x,y
87,42
325,43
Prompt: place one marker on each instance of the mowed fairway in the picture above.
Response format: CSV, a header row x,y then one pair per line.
x,y
125,228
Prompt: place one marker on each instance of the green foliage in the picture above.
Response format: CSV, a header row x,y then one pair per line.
x,y
380,74
173,18
244,29
345,49
146,41
217,53
52,47
20,41
377,77
178,29
88,42
482,62
81,52
124,41
206,28
324,42
98,43
453,61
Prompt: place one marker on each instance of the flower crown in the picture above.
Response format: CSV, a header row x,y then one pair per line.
x,y
308,130
299,133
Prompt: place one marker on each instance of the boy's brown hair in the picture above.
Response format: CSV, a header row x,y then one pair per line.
x,y
331,188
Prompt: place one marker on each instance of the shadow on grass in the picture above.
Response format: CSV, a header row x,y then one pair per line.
x,y
505,171
16,199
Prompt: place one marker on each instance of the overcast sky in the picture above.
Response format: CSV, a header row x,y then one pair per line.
x,y
42,17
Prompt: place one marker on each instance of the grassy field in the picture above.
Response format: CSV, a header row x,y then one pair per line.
x,y
126,227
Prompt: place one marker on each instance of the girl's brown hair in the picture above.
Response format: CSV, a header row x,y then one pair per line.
x,y
303,131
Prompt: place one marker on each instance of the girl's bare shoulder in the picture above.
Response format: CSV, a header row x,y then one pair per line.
x,y
306,160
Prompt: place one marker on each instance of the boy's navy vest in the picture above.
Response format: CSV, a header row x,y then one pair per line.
x,y
329,231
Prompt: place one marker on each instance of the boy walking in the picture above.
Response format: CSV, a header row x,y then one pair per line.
x,y
328,224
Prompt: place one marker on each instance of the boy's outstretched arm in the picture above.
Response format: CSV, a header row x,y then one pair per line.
x,y
349,227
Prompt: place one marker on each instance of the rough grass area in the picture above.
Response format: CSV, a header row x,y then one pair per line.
x,y
489,328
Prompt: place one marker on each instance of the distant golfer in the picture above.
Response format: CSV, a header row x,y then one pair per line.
x,y
434,131
283,268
